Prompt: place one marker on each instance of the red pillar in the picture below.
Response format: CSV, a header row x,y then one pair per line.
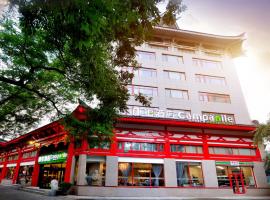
x,y
35,171
167,146
17,169
113,147
4,169
205,145
69,162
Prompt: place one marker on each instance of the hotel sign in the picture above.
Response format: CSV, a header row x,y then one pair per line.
x,y
180,115
58,157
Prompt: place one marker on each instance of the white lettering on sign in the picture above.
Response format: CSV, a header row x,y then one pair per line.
x,y
181,115
234,163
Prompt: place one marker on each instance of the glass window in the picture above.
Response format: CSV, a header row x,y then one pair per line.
x,y
144,90
223,173
179,148
140,174
140,146
95,173
10,172
147,73
232,151
210,64
175,75
212,97
25,174
146,56
210,79
189,174
29,154
180,94
172,59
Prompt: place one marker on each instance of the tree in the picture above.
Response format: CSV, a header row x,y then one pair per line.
x,y
59,51
262,133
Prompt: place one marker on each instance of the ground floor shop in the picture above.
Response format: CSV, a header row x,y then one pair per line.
x,y
151,157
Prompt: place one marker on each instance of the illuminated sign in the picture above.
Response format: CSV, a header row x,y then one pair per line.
x,y
181,115
234,163
57,157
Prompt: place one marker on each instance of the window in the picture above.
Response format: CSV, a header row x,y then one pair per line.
x,y
172,59
141,72
232,151
229,118
145,90
210,64
140,146
10,172
213,97
180,148
140,174
210,79
146,56
95,173
189,174
224,171
25,174
29,154
174,75
160,47
13,157
180,94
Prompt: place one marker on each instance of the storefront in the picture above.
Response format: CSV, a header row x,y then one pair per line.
x,y
25,173
52,166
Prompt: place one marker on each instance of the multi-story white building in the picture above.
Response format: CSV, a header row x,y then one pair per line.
x,y
189,72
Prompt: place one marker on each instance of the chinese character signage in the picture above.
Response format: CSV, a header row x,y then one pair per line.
x,y
57,157
234,163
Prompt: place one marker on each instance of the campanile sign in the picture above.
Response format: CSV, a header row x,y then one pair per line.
x,y
180,115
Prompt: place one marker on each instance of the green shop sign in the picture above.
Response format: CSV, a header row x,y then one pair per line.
x,y
234,163
58,157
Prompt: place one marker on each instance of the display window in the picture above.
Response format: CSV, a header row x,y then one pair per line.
x,y
223,173
10,172
140,174
25,175
189,174
95,173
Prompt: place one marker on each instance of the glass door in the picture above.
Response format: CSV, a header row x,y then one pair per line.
x,y
237,183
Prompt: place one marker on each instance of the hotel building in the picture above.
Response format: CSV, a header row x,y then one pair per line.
x,y
194,140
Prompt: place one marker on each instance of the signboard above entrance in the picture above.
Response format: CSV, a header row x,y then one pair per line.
x,y
234,163
180,115
57,157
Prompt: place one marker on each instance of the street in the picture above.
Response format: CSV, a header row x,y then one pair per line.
x,y
11,193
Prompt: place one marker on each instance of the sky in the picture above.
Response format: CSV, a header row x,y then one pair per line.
x,y
233,17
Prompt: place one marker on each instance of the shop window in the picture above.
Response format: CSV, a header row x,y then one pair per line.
x,y
25,175
140,174
140,146
95,173
179,148
189,174
223,173
232,151
10,172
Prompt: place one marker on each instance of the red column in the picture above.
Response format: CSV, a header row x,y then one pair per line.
x,y
167,147
17,169
35,171
205,145
4,169
113,147
69,161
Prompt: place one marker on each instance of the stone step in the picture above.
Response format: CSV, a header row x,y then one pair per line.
x,y
36,190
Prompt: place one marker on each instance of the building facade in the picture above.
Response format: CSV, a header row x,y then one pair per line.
x,y
194,140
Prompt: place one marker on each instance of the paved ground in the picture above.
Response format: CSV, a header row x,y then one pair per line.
x,y
11,193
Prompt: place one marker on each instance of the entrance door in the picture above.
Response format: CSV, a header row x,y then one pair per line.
x,y
49,172
237,183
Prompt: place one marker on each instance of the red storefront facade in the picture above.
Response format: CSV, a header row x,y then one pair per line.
x,y
168,156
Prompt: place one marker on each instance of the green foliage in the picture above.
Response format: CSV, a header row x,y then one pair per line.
x,y
262,133
60,51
